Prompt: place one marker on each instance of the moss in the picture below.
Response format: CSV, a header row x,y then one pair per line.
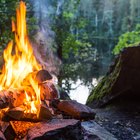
x,y
105,86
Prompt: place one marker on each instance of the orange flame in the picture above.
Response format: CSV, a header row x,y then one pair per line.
x,y
20,60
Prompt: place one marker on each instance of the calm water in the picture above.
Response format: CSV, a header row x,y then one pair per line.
x,y
81,93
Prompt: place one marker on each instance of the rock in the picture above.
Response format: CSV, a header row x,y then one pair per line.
x,y
121,80
55,130
92,129
76,110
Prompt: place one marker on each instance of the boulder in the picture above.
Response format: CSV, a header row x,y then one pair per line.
x,y
75,109
121,80
65,129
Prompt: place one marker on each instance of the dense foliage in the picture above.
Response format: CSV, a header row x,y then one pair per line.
x,y
128,39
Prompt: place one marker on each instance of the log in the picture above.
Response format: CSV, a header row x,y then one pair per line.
x,y
76,110
4,99
45,113
48,91
15,113
40,76
16,98
11,98
44,80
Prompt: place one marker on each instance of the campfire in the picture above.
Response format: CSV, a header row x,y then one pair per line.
x,y
27,92
22,76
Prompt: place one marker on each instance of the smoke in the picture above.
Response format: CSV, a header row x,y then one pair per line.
x,y
44,37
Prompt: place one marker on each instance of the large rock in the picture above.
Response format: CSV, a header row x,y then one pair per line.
x,y
69,129
122,79
75,109
93,131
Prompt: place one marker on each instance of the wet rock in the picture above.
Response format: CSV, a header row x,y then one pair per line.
x,y
55,130
121,80
76,110
92,129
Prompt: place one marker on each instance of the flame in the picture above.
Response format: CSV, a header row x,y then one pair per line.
x,y
20,61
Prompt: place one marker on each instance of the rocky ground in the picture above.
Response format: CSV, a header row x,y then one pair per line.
x,y
122,119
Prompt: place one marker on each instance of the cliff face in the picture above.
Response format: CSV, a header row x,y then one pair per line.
x,y
123,78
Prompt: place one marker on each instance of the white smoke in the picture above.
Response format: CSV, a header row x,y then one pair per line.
x,y
44,37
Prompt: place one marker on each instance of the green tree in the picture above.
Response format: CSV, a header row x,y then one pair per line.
x,y
128,39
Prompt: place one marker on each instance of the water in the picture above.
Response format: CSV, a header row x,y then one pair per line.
x,y
81,92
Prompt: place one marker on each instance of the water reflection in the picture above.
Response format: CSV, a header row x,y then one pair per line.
x,y
81,91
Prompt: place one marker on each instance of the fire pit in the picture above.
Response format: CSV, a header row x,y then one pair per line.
x,y
29,104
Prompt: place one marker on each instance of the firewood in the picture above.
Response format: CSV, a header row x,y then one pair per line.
x,y
40,76
16,98
15,113
45,113
11,98
48,91
4,99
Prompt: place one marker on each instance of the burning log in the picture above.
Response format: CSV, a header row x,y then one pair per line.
x,y
39,76
42,76
44,80
4,99
16,113
16,98
48,91
45,113
11,98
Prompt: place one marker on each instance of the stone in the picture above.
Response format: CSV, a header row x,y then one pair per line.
x,y
76,110
94,130
65,129
122,80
